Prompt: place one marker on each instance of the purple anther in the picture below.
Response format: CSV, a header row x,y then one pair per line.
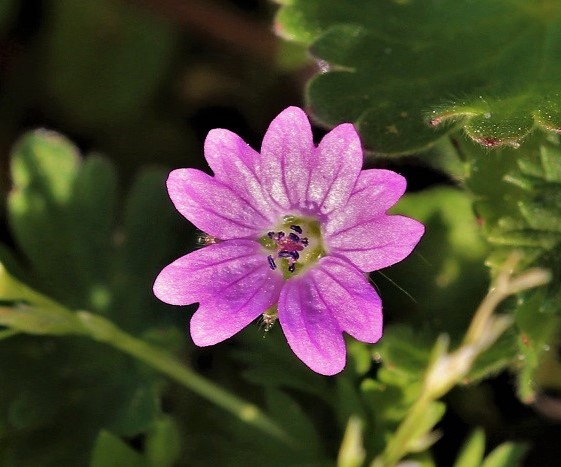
x,y
294,255
285,254
304,241
294,237
271,234
296,228
280,235
292,267
272,263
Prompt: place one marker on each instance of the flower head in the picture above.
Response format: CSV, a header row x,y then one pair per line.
x,y
292,232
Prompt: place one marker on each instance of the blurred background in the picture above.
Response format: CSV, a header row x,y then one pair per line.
x,y
143,80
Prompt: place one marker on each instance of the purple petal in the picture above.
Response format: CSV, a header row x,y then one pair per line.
x,y
221,317
375,244
212,206
234,163
338,166
228,272
376,191
287,157
309,327
349,296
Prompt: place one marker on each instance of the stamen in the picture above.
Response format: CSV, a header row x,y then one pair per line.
x,y
272,263
288,245
294,237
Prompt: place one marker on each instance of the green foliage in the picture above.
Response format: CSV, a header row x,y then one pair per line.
x,y
71,205
472,452
110,451
505,455
104,60
520,209
407,72
162,448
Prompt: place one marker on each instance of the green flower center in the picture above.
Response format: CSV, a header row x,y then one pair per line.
x,y
294,245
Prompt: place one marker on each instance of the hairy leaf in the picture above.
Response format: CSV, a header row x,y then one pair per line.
x,y
406,72
519,205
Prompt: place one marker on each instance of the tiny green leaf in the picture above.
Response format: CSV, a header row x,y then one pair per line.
x,y
111,451
472,451
163,443
506,455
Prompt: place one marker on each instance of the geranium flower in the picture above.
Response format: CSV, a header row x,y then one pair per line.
x,y
291,233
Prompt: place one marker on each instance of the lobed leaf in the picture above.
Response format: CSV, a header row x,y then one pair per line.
x,y
407,72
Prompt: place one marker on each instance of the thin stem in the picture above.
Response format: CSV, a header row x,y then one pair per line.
x,y
165,363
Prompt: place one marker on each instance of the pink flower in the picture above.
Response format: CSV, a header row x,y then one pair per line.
x,y
292,232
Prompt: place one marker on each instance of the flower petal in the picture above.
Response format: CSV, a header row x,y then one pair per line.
x,y
376,191
234,163
339,160
287,158
228,272
212,206
378,243
349,296
309,327
222,317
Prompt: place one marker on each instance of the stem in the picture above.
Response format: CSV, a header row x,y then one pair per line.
x,y
165,363
396,447
447,369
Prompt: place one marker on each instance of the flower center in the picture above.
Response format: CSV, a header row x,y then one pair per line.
x,y
294,244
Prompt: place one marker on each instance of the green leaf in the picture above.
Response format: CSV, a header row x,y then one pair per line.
x,y
388,399
506,455
293,418
110,451
58,201
520,208
430,417
405,351
104,60
92,261
269,362
407,72
163,443
472,451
